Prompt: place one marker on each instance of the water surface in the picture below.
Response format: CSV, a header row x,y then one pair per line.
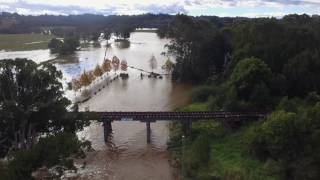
x,y
127,155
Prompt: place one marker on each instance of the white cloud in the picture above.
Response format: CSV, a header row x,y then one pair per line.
x,y
4,7
30,12
260,15
130,7
101,4
8,1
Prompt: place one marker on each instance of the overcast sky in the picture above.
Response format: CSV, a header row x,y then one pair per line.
x,y
248,8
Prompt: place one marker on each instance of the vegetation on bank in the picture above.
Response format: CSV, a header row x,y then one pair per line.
x,y
24,42
33,129
265,64
55,150
284,145
214,151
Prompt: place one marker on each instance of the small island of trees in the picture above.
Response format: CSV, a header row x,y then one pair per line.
x,y
65,46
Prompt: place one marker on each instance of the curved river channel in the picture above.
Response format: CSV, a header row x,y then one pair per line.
x,y
127,156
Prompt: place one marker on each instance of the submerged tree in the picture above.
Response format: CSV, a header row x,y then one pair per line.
x,y
98,71
168,66
67,46
124,65
115,63
123,32
153,63
106,66
76,85
95,36
92,77
55,45
107,35
85,79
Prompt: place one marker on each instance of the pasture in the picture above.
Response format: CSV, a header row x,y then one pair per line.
x,y
24,42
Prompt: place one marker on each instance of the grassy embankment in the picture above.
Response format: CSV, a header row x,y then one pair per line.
x,y
24,42
215,152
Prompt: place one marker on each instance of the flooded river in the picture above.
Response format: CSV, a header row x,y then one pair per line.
x,y
127,156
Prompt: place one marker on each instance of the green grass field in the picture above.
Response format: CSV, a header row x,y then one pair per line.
x,y
24,42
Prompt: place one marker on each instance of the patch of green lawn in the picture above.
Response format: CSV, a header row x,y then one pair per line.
x,y
229,160
24,42
195,107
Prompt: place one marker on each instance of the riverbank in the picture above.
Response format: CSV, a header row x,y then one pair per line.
x,y
215,152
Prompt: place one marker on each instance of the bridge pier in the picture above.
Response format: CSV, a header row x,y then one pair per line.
x,y
107,129
187,127
148,132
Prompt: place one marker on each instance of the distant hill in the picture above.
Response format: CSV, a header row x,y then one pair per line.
x,y
13,23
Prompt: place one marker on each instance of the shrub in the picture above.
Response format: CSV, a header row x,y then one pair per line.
x,y
291,139
202,93
251,78
3,171
289,105
50,151
198,155
275,137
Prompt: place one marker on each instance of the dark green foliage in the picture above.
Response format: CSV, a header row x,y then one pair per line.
x,y
123,31
48,152
288,46
4,174
31,103
197,155
83,24
251,78
292,139
249,88
274,41
95,36
289,105
302,73
273,64
201,93
54,45
216,152
199,48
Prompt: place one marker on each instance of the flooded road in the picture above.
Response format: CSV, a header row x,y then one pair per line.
x,y
127,155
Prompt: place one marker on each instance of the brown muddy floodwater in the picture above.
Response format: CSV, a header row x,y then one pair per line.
x,y
127,156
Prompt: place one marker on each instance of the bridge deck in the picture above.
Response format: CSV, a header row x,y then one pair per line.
x,y
153,116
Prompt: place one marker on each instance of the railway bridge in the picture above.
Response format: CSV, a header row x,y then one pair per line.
x,y
186,118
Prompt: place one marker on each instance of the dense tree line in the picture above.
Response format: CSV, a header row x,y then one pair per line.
x,y
288,46
86,23
263,64
199,48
